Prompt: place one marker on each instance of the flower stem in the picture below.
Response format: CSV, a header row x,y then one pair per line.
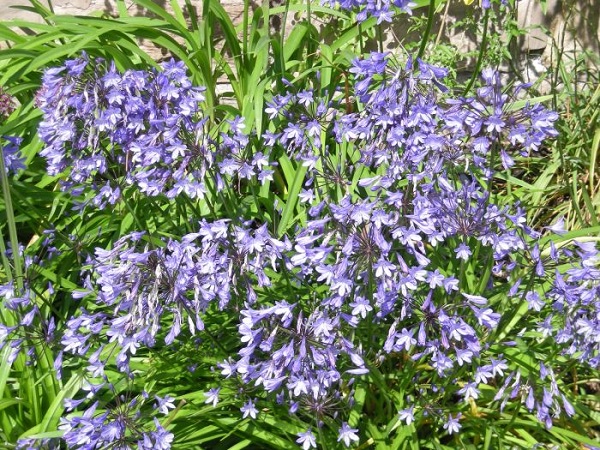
x,y
12,229
425,38
481,54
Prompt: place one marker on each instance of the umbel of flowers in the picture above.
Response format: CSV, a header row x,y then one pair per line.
x,y
141,128
405,269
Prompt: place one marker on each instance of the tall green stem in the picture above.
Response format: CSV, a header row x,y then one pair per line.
x,y
245,37
425,38
12,228
282,39
482,49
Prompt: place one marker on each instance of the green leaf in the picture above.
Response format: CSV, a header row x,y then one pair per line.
x,y
291,200
295,39
349,35
7,402
56,409
218,12
177,27
572,437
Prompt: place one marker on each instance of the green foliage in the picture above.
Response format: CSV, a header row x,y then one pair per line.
x,y
242,68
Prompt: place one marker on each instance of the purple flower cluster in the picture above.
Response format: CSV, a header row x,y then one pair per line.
x,y
9,145
383,10
400,206
574,312
295,356
97,120
143,129
121,425
299,122
406,125
394,257
32,327
428,196
539,392
145,288
13,159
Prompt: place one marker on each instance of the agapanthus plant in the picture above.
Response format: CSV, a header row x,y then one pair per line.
x,y
404,274
122,424
144,129
148,290
398,253
383,10
9,145
32,330
13,159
